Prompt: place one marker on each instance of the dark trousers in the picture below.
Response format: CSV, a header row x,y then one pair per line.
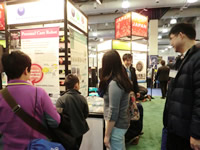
x,y
175,142
163,86
78,143
135,127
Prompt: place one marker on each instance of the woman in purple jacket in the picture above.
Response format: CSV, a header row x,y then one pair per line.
x,y
16,133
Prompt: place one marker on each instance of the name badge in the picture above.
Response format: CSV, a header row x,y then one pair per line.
x,y
173,73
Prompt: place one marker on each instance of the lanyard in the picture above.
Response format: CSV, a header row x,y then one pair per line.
x,y
18,84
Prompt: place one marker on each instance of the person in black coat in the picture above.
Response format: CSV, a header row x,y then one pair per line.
x,y
182,109
75,106
163,77
127,59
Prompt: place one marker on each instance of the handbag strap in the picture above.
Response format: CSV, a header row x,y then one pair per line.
x,y
29,120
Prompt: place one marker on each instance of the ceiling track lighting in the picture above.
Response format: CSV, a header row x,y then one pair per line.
x,y
173,21
125,4
99,1
191,1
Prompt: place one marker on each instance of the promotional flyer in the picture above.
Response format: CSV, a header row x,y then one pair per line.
x,y
140,65
42,45
79,59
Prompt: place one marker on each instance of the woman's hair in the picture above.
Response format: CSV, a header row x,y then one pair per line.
x,y
112,69
15,63
70,81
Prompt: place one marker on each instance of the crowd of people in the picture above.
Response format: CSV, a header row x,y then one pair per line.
x,y
181,117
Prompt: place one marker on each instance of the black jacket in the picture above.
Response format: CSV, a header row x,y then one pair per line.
x,y
163,73
182,108
134,80
76,107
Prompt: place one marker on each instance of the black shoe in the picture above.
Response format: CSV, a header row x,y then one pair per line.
x,y
162,97
141,133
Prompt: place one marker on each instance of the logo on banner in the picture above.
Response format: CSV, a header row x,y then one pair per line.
x,y
73,12
21,11
36,73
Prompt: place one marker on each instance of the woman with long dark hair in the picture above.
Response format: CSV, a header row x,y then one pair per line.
x,y
114,88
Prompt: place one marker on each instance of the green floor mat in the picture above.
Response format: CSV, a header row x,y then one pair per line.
x,y
152,125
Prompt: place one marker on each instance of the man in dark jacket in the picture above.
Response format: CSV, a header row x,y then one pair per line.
x,y
182,108
127,59
163,77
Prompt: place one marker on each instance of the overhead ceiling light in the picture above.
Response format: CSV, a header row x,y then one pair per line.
x,y
165,30
90,47
170,47
94,33
162,51
166,49
99,1
125,4
173,21
192,1
101,40
159,36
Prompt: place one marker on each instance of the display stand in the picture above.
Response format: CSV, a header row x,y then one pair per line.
x,y
71,51
138,51
23,16
133,27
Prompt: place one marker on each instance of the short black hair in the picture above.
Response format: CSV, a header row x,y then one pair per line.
x,y
70,81
127,56
15,63
187,29
162,62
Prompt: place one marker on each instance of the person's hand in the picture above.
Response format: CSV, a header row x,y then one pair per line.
x,y
138,95
107,141
195,143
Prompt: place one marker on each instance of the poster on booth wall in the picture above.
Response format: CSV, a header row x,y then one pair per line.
x,y
42,45
153,61
79,59
140,65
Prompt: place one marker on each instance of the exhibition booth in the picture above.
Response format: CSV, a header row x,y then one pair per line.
x,y
56,39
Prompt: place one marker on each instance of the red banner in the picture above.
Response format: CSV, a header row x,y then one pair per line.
x,y
123,26
139,25
2,17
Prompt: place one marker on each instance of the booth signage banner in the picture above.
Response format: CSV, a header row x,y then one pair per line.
x,y
2,17
79,59
45,10
140,64
121,45
139,25
3,42
123,26
42,45
76,17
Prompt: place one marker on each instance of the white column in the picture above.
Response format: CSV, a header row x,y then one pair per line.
x,y
153,37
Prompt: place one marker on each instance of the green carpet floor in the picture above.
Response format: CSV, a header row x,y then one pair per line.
x,y
152,125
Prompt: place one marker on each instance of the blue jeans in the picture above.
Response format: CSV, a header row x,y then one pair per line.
x,y
117,139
